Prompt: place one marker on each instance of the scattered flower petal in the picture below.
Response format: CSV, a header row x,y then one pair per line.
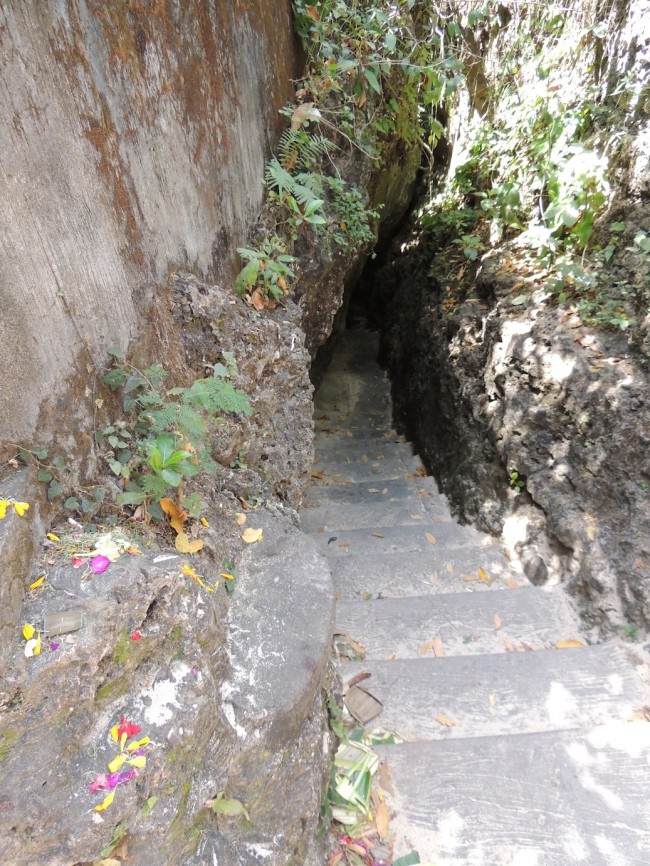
x,y
33,647
137,744
106,802
77,562
54,646
4,504
139,761
134,551
136,635
204,521
226,575
127,728
99,564
115,732
116,763
20,508
53,537
37,582
28,631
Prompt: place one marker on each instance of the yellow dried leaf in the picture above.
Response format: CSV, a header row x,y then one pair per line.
x,y
251,535
509,647
512,583
184,545
377,535
37,582
28,631
430,538
571,643
53,537
106,802
447,722
381,820
116,763
483,575
497,622
240,518
434,645
470,577
317,473
415,516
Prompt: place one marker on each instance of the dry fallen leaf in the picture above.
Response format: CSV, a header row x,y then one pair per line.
x,y
317,473
240,518
415,516
177,516
571,643
373,490
251,535
381,820
434,645
512,583
508,645
184,545
470,577
377,535
483,575
447,722
430,538
497,622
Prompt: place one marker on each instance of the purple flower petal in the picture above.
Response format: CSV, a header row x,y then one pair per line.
x,y
54,646
99,564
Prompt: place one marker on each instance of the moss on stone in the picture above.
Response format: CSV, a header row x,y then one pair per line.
x,y
8,740
112,689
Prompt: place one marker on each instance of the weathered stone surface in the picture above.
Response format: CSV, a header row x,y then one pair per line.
x,y
135,144
228,694
275,441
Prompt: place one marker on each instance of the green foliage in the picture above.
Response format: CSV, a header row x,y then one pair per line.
x,y
516,481
163,440
266,269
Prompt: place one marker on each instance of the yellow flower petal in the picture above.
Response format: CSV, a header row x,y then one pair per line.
x,y
139,761
37,582
123,740
53,537
20,508
3,507
114,731
106,802
204,521
138,744
226,575
189,571
28,631
116,763
37,645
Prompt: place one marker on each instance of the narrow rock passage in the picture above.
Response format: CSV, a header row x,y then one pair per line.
x,y
517,752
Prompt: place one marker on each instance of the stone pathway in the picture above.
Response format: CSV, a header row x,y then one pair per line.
x,y
516,752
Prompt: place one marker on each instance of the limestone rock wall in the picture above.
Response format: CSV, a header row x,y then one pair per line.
x,y
134,144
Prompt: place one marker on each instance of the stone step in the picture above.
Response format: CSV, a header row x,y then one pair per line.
x,y
350,427
494,694
381,512
324,492
466,623
425,537
409,574
552,799
369,449
348,473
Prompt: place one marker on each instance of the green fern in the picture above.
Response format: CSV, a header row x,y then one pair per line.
x,y
216,396
189,423
299,150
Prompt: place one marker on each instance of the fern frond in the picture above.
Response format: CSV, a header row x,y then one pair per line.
x,y
299,150
217,396
154,486
277,177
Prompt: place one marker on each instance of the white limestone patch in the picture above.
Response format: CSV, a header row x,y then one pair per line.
x,y
163,696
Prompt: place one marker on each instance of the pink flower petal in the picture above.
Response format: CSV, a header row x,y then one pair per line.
x,y
99,564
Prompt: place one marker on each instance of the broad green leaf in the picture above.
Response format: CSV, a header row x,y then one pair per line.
x,y
411,859
71,503
131,498
44,475
373,81
172,478
114,379
231,808
148,806
165,445
54,489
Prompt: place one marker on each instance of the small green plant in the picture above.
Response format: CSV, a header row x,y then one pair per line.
x,y
267,272
164,438
516,481
472,245
630,632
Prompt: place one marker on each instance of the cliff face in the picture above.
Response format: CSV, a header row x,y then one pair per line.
x,y
134,142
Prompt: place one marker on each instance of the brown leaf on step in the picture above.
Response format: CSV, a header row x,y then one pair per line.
x,y
497,622
359,678
377,535
430,538
385,778
256,300
415,516
421,472
447,722
483,575
245,504
317,473
570,643
434,645
177,515
433,578
373,490
240,519
512,583
384,491
469,577
508,645
390,657
381,820
362,705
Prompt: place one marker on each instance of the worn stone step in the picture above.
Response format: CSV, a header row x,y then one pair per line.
x,y
381,512
425,537
407,574
323,491
350,427
552,799
509,693
466,623
370,449
348,473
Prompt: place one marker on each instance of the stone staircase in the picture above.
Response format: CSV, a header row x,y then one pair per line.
x,y
516,752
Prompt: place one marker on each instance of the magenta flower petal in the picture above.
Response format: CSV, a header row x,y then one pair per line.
x,y
99,564
54,646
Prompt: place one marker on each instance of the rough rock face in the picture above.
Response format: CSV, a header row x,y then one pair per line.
x,y
229,695
487,389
